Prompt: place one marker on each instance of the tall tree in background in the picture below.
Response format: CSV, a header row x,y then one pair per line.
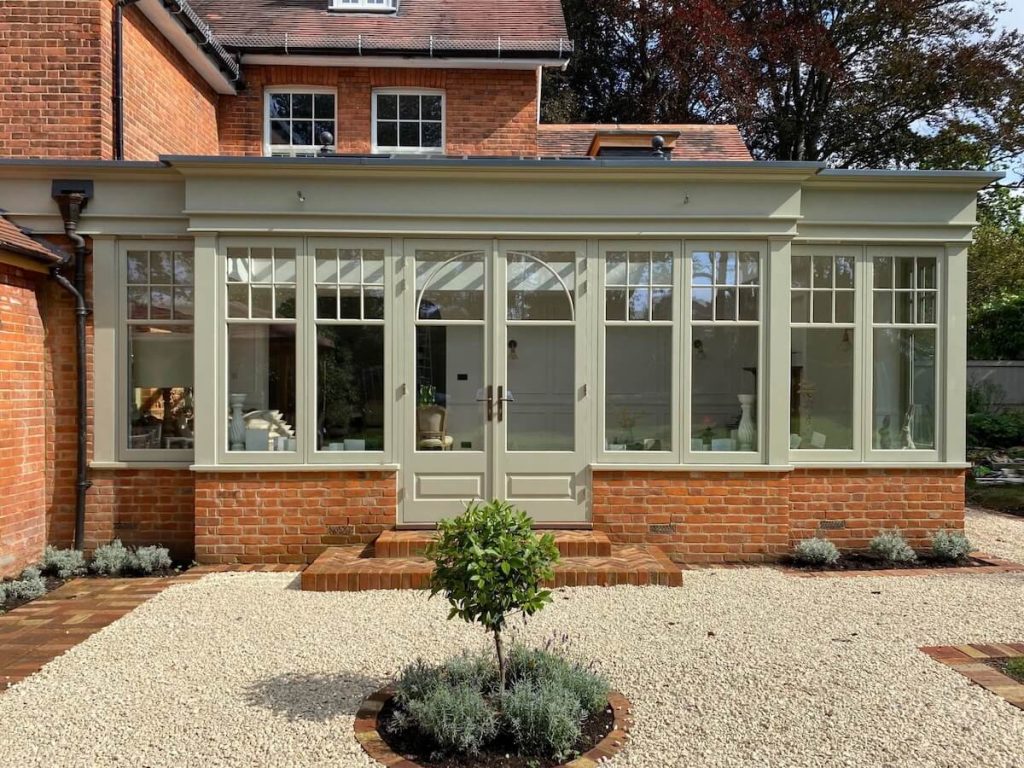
x,y
928,83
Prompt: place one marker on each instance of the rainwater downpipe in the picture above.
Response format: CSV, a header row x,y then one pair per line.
x,y
72,197
119,7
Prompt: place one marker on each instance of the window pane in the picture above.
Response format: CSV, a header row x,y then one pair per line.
x,y
883,272
844,272
748,303
749,269
184,307
348,303
284,268
542,378
661,273
262,301
302,132
723,408
326,266
822,306
262,265
161,267
638,388
261,387
926,273
284,302
703,273
702,303
882,307
661,304
904,273
639,268
801,271
541,285
350,388
904,306
349,267
844,306
821,389
373,267
639,303
138,267
138,303
323,106
432,108
800,307
408,107
327,303
725,304
184,268
238,300
725,268
408,134
387,107
449,373
431,134
903,392
238,265
161,413
373,303
387,134
453,283
822,271
302,105
280,105
319,128
280,133
615,304
926,307
160,303
615,268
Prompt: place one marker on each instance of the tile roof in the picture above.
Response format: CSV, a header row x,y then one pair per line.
x,y
695,142
516,28
16,240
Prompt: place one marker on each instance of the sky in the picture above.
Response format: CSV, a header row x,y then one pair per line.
x,y
1014,16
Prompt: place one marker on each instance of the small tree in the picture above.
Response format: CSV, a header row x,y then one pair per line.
x,y
490,564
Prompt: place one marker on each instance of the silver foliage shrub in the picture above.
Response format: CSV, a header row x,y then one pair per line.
x,y
951,546
892,547
28,586
63,563
458,719
543,667
543,718
816,551
110,559
147,560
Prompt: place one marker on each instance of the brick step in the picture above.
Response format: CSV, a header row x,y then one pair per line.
x,y
570,543
348,569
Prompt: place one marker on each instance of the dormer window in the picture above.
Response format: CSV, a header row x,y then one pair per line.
x,y
408,121
383,6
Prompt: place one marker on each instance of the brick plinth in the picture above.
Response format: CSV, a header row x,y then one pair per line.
x,y
707,517
288,517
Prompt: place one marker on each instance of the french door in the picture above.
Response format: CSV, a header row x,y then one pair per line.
x,y
495,402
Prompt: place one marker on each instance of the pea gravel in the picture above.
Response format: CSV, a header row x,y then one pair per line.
x,y
737,668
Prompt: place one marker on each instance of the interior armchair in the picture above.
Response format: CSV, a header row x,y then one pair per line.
x,y
432,428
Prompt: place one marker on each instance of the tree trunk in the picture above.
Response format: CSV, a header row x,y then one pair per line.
x,y
501,660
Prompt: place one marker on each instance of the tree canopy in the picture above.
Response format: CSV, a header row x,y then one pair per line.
x,y
856,83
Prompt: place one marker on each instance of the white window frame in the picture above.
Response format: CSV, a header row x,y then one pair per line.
x,y
122,451
364,6
679,369
759,454
860,330
410,92
295,150
897,456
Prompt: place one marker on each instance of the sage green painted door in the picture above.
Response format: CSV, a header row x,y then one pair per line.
x,y
496,380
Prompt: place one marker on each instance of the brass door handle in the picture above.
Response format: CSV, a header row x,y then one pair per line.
x,y
489,400
501,403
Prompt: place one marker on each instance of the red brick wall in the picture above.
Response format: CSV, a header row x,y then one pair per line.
x,y
52,99
701,517
22,421
488,112
169,109
288,517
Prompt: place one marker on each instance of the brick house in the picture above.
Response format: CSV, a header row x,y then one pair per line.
x,y
338,279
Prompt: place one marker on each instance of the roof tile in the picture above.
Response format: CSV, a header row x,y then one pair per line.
x,y
16,240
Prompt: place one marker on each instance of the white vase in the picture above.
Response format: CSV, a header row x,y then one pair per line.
x,y
236,432
745,431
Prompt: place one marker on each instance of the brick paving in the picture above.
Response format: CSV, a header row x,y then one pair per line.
x,y
970,661
34,634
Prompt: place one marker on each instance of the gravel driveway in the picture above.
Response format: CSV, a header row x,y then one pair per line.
x,y
737,668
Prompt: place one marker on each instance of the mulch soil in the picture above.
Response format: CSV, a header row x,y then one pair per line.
x,y
1002,665
415,747
865,562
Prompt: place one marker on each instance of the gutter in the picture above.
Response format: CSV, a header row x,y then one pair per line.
x,y
72,197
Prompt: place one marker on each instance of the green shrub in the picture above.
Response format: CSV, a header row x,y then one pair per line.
x,y
542,718
148,560
816,551
457,719
951,546
488,562
28,586
420,679
1016,668
110,559
995,430
63,563
542,667
892,547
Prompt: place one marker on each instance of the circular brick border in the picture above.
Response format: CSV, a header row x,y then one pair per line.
x,y
374,745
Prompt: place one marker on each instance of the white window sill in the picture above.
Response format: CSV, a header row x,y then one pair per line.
x,y
294,467
609,467
101,465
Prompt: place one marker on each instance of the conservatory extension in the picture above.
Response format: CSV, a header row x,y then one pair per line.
x,y
720,358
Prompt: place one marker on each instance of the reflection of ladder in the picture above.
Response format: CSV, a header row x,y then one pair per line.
x,y
424,359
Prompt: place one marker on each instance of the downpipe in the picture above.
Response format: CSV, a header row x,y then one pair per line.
x,y
71,204
118,35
